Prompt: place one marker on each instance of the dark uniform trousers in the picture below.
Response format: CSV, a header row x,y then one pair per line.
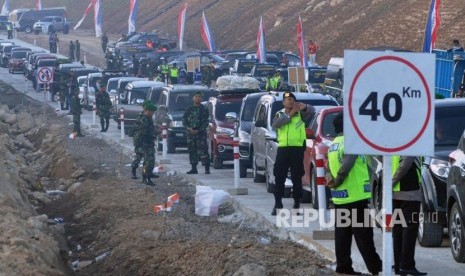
x,y
363,237
289,157
405,238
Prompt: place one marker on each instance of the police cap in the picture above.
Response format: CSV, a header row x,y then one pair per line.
x,y
289,95
198,93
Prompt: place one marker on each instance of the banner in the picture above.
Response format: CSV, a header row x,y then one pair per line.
x,y
92,3
261,43
301,44
206,34
432,26
38,5
98,19
6,8
181,23
133,7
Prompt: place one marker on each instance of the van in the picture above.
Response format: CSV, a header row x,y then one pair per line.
x,y
334,78
28,18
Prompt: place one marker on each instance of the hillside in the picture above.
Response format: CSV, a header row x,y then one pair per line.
x,y
334,24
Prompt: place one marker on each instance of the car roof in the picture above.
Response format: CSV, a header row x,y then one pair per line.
x,y
178,88
145,83
278,96
449,102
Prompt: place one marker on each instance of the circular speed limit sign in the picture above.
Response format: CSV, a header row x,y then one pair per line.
x,y
389,102
45,75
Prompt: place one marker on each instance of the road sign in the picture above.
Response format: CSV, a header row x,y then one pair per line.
x,y
45,75
192,64
296,75
388,103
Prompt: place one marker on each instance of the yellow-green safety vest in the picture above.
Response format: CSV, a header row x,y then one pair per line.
x,y
173,72
356,185
291,134
164,68
395,165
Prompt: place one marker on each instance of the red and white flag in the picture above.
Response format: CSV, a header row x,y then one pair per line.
x,y
206,34
261,42
181,24
38,5
97,19
432,26
301,44
87,11
133,7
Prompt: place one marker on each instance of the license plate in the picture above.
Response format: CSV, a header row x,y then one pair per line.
x,y
179,134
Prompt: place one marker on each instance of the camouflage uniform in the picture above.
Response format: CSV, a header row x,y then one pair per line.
x,y
196,117
144,144
103,103
76,109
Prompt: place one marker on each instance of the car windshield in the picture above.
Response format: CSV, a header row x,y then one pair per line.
x,y
278,105
82,81
249,109
135,38
447,120
327,127
112,85
47,62
18,55
263,71
244,67
46,19
179,101
224,107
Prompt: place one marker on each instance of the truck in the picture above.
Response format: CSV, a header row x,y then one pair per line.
x,y
51,24
25,23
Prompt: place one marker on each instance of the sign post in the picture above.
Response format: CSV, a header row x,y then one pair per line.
x,y
45,77
296,77
388,110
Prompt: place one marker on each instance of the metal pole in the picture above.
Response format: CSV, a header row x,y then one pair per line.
x,y
164,142
25,81
45,97
85,57
236,161
121,112
94,112
321,187
387,204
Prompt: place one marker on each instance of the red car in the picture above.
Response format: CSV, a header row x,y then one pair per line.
x,y
17,59
321,133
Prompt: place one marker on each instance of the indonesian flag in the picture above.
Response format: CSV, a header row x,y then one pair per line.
x,y
133,7
38,5
181,23
98,19
261,43
432,26
6,7
301,44
87,11
206,34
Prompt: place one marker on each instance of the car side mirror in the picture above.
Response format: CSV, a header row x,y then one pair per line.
x,y
231,116
271,136
309,133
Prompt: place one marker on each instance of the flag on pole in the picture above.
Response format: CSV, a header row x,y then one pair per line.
x,y
38,5
206,34
87,11
181,23
6,7
133,7
301,44
432,26
97,19
261,43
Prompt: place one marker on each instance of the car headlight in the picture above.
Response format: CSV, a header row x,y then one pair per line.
x,y
176,124
440,168
224,131
244,136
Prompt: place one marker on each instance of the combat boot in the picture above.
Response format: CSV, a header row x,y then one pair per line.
x,y
134,176
193,170
207,167
144,178
149,182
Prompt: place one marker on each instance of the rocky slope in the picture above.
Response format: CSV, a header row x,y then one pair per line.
x,y
335,24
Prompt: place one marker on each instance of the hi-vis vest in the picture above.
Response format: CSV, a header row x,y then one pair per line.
x,y
395,165
174,72
164,68
291,134
356,185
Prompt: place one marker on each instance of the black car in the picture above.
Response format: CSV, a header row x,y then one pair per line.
x,y
456,201
261,72
244,127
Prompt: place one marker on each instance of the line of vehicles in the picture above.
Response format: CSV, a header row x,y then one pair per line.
x,y
240,106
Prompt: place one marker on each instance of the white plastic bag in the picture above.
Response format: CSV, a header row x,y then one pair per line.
x,y
208,200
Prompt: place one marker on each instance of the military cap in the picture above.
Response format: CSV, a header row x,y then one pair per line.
x,y
289,95
198,93
150,107
145,103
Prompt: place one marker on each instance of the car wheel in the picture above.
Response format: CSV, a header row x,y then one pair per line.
x,y
171,147
316,205
66,30
257,178
217,163
242,170
37,32
28,29
430,234
457,234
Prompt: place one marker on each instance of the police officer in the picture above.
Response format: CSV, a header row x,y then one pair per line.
x,y
174,73
290,128
196,122
103,104
350,193
144,143
76,111
9,30
274,81
164,70
406,201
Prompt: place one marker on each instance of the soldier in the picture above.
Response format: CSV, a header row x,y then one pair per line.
x,y
104,42
77,46
144,143
76,108
196,122
103,103
72,48
62,80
